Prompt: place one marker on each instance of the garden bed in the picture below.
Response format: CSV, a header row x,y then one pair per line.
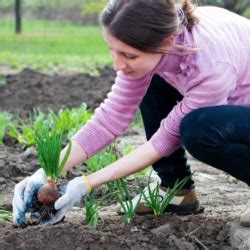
x,y
222,196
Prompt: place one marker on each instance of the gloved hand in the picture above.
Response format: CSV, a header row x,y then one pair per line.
x,y
75,190
23,196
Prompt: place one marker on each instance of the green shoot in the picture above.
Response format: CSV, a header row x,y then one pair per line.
x,y
24,132
5,216
49,146
68,120
93,209
120,191
5,121
157,200
102,159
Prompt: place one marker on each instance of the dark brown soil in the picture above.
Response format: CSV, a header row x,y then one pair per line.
x,y
222,196
30,89
145,232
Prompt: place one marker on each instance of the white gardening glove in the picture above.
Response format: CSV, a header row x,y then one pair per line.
x,y
75,190
23,196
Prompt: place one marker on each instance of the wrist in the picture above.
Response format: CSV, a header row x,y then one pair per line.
x,y
87,183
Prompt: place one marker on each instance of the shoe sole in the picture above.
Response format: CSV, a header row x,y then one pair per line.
x,y
185,209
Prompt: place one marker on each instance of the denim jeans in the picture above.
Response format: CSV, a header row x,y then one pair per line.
x,y
218,136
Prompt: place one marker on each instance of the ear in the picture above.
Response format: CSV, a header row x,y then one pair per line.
x,y
168,43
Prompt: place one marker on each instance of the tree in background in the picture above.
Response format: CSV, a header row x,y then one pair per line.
x,y
86,11
93,7
237,6
18,16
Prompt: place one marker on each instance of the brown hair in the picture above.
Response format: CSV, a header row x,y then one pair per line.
x,y
188,9
145,24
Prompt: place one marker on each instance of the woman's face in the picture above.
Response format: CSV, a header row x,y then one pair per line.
x,y
132,62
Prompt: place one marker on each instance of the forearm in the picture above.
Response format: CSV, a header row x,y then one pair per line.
x,y
76,156
143,156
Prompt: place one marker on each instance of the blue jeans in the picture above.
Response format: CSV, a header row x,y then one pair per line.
x,y
218,136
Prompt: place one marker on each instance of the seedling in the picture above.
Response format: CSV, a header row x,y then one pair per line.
x,y
68,120
156,200
5,216
23,131
48,144
120,191
102,159
5,121
93,209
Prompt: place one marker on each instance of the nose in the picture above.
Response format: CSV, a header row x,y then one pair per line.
x,y
118,63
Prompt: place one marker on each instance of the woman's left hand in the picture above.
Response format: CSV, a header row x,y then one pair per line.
x,y
75,190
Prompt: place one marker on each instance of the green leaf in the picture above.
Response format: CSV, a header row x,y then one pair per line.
x,y
65,158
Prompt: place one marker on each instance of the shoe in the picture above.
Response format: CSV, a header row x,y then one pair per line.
x,y
184,202
245,217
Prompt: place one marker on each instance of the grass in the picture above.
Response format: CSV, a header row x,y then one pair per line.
x,y
53,45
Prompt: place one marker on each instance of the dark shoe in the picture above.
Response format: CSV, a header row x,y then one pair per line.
x,y
184,202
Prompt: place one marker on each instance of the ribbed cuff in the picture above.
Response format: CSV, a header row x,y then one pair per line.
x,y
165,143
92,139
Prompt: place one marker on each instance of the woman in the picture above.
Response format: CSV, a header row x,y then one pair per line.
x,y
188,70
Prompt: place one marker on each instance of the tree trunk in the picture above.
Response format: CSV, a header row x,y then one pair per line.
x,y
18,16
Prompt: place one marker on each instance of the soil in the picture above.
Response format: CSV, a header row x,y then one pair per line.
x,y
31,89
222,196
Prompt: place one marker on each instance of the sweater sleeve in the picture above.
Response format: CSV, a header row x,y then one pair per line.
x,y
113,116
211,88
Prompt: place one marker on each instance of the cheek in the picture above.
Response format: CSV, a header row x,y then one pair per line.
x,y
151,63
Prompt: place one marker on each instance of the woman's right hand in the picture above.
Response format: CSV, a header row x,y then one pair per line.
x,y
23,196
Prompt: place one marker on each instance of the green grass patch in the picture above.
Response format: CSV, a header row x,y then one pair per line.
x,y
53,45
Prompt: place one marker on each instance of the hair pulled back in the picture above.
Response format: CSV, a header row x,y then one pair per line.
x,y
144,24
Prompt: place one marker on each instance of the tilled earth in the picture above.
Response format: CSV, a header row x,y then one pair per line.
x,y
222,196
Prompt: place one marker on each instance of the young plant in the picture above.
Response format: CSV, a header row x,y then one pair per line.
x,y
157,200
120,191
5,121
93,209
5,216
68,120
24,132
49,145
102,159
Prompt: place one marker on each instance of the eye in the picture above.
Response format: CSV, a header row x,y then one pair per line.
x,y
129,56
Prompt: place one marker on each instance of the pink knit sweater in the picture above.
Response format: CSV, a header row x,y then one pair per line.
x,y
218,73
